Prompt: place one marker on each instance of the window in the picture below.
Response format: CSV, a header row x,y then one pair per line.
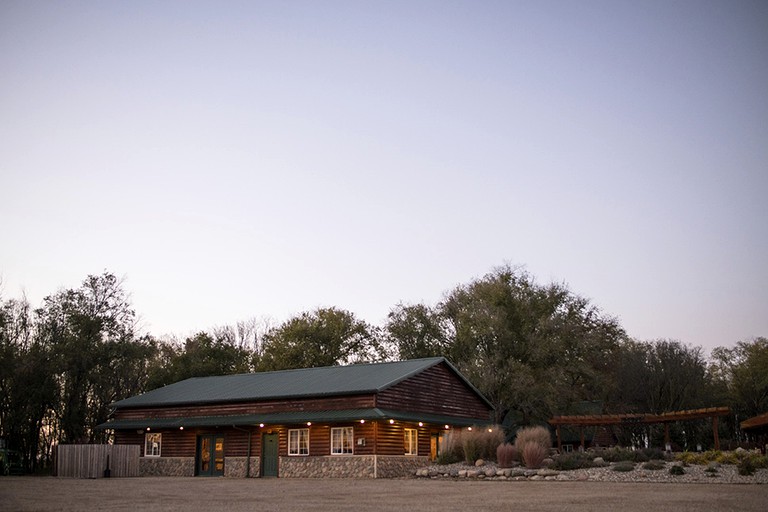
x,y
152,444
342,440
298,441
411,441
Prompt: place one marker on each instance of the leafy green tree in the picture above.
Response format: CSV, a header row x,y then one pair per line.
x,y
200,356
744,371
324,337
27,385
531,349
417,331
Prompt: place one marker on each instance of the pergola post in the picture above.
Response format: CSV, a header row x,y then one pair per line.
x,y
581,430
717,435
667,444
559,443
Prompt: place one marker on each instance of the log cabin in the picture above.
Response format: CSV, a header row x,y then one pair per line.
x,y
374,420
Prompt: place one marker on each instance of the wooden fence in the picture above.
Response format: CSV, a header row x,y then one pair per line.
x,y
90,460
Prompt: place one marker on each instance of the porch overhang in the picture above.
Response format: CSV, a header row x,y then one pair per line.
x,y
292,417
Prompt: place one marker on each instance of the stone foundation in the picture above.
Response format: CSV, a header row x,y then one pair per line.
x,y
345,466
235,467
393,466
166,466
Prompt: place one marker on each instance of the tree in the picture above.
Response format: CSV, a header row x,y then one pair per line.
x,y
83,328
530,349
27,384
417,331
744,370
200,356
324,337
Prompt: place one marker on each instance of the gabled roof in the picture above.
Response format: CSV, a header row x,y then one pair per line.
x,y
303,383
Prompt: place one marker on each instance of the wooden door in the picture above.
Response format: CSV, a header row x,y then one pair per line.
x,y
269,455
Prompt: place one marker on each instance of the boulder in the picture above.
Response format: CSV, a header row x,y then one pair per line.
x,y
479,462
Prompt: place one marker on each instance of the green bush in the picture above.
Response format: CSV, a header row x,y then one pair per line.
x,y
573,460
746,467
676,470
624,466
616,454
654,465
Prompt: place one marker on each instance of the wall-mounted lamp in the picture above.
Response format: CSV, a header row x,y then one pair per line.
x,y
362,421
309,423
391,422
261,425
421,424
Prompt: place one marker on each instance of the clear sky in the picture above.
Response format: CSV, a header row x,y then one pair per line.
x,y
246,159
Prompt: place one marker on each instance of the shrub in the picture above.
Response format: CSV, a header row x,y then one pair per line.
x,y
506,454
470,446
746,467
490,437
616,454
654,453
654,465
539,435
534,454
624,466
573,460
676,470
450,448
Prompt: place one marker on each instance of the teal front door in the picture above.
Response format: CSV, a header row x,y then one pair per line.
x,y
210,455
269,444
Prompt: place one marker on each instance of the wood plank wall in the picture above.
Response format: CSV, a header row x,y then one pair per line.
x,y
267,407
436,390
90,460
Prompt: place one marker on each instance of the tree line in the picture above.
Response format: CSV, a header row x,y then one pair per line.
x,y
533,350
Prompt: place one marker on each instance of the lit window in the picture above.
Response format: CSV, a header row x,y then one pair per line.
x,y
411,441
298,441
342,440
152,444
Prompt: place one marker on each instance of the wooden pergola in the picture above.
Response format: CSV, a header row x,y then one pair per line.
x,y
599,420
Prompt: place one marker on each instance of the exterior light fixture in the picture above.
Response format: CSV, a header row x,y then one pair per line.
x,y
490,430
181,428
309,423
447,427
261,425
391,422
469,428
147,429
421,424
362,421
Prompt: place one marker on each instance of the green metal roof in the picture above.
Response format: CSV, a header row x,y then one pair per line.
x,y
282,418
309,382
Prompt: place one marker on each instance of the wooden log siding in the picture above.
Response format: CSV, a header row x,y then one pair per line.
x,y
436,390
266,407
391,438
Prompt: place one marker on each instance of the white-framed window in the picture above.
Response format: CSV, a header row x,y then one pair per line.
x,y
153,441
298,441
342,440
411,441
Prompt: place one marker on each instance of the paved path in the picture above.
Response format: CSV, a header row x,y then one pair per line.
x,y
233,495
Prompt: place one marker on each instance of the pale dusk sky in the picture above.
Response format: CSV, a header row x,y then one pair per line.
x,y
247,159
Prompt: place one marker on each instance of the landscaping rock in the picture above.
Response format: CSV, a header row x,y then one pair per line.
x,y
479,462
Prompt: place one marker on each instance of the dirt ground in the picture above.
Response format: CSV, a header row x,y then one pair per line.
x,y
233,495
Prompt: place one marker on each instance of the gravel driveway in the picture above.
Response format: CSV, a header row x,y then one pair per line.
x,y
425,495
